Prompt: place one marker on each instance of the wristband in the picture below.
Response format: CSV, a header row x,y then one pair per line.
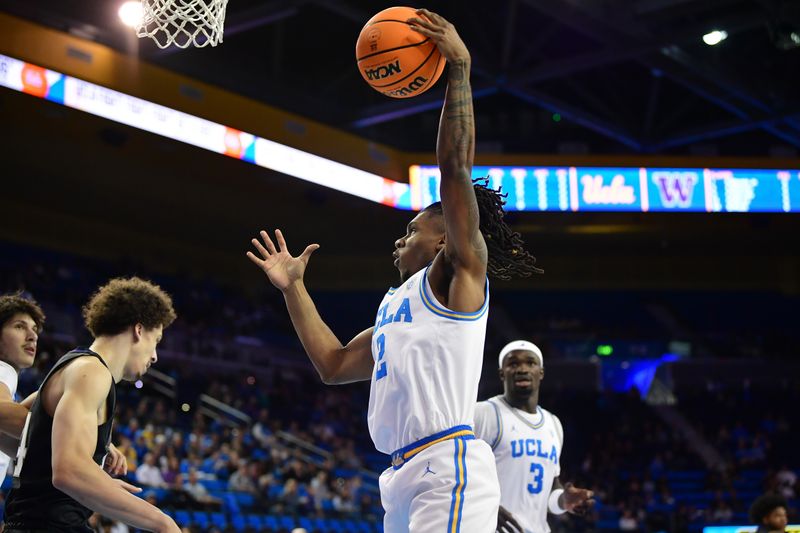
x,y
552,502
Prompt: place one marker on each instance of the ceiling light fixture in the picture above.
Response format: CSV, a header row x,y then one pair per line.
x,y
715,37
130,13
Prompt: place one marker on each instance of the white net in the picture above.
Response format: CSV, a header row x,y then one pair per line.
x,y
183,23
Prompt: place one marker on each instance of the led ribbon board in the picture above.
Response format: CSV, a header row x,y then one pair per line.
x,y
161,120
628,188
791,528
528,188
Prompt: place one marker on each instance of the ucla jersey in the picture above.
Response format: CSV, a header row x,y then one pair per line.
x,y
527,450
428,363
8,377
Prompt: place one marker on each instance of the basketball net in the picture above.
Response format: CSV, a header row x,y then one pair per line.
x,y
183,23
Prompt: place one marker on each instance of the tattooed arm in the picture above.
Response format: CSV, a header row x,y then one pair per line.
x,y
465,250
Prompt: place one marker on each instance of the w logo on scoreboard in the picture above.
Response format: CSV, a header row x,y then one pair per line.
x,y
675,188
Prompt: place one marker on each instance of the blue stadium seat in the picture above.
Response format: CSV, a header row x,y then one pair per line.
x,y
238,522
344,472
287,522
607,525
214,484
219,520
255,521
686,475
244,499
258,453
200,518
661,507
270,523
230,504
274,492
182,518
320,524
207,466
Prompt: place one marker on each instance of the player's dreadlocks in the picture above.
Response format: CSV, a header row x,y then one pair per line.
x,y
507,256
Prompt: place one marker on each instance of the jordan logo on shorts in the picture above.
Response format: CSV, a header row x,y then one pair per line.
x,y
428,470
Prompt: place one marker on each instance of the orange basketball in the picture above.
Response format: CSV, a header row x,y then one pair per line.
x,y
394,59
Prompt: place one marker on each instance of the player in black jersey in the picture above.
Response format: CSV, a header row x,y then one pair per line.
x,y
58,477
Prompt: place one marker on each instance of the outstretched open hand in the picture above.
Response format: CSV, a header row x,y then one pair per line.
x,y
281,267
575,500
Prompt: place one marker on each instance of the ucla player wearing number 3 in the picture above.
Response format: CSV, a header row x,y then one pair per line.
x,y
527,441
424,351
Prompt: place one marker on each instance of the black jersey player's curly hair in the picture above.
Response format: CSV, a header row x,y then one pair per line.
x,y
764,505
508,257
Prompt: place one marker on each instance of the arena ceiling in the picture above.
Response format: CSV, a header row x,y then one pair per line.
x,y
624,76
81,183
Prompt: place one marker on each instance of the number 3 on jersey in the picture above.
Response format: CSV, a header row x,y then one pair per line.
x,y
538,473
381,344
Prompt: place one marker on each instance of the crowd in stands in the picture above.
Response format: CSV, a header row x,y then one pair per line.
x,y
305,459
647,478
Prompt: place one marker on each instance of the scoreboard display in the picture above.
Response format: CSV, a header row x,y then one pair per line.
x,y
638,189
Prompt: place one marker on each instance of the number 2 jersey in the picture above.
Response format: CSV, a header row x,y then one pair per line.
x,y
428,362
527,450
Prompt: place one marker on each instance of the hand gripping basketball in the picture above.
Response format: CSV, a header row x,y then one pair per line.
x,y
442,33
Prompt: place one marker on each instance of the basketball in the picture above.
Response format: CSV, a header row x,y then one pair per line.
x,y
394,59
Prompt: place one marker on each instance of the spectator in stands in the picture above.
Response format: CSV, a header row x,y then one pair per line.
x,y
101,524
291,499
721,512
148,473
199,493
331,419
172,473
666,496
786,481
240,481
261,430
344,501
319,490
769,513
628,522
126,448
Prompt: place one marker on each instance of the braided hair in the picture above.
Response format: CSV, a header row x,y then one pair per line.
x,y
507,256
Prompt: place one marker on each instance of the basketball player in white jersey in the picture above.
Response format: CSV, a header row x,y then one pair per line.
x,y
526,440
21,321
424,352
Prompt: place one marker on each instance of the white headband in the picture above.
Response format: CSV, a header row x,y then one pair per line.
x,y
520,345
